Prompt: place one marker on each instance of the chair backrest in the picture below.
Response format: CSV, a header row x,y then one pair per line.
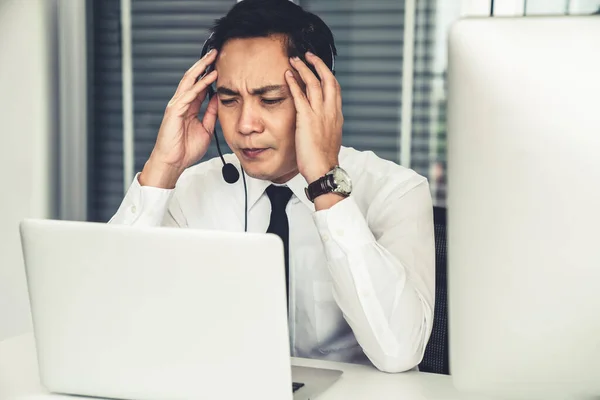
x,y
436,354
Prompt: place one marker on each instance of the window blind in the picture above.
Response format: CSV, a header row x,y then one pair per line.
x,y
422,124
105,142
369,40
167,38
428,111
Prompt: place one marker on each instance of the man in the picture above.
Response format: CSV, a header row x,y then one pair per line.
x,y
361,264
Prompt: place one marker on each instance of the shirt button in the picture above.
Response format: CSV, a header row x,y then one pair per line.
x,y
325,237
133,209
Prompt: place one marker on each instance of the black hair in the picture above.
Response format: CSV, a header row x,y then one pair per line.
x,y
304,31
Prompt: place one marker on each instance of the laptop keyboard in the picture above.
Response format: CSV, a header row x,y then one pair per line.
x,y
296,386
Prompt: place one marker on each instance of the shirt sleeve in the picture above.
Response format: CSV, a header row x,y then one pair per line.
x,y
147,206
383,269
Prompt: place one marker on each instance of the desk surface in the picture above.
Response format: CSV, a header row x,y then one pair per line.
x,y
19,379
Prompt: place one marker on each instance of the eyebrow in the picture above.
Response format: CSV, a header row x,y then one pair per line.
x,y
255,92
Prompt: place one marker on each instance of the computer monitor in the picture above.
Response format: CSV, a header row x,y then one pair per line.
x,y
524,206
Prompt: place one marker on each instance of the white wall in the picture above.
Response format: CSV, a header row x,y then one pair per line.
x,y
27,138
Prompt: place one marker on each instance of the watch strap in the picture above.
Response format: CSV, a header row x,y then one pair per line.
x,y
319,187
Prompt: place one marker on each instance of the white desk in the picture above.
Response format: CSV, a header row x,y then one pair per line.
x,y
19,379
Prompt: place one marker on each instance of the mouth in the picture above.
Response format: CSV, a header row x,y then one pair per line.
x,y
253,153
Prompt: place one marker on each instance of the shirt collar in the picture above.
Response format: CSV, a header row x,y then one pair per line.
x,y
256,188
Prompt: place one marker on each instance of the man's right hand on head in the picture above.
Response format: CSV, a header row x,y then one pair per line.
x,y
183,138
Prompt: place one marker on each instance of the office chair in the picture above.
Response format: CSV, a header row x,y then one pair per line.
x,y
436,353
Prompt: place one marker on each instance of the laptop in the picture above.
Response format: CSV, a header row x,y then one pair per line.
x,y
161,313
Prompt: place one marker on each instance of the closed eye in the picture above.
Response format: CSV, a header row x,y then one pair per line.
x,y
271,102
227,101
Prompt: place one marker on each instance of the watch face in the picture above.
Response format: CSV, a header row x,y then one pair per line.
x,y
342,181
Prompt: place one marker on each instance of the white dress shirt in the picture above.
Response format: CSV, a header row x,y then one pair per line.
x,y
362,273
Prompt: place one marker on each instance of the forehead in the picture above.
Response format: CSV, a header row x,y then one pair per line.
x,y
258,59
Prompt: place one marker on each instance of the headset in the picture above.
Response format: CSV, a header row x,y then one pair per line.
x,y
230,173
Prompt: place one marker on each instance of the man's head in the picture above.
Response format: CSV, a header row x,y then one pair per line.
x,y
255,108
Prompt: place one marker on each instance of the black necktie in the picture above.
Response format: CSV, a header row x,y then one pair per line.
x,y
278,224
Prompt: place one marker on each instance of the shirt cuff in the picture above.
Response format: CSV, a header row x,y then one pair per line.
x,y
343,225
143,205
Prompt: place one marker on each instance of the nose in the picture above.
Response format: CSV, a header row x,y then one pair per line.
x,y
249,121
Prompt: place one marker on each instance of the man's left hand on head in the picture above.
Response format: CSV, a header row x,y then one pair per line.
x,y
319,118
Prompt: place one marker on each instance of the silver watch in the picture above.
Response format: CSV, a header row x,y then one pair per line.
x,y
337,181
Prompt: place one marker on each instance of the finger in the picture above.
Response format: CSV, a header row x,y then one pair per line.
x,y
314,92
204,82
328,82
210,116
201,89
192,74
300,100
195,95
194,107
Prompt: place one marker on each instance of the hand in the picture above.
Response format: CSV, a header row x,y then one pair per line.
x,y
319,118
182,138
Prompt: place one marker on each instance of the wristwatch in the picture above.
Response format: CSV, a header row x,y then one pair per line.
x,y
335,181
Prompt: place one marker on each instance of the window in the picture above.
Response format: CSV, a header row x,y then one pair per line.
x,y
105,155
368,36
166,39
560,7
405,126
